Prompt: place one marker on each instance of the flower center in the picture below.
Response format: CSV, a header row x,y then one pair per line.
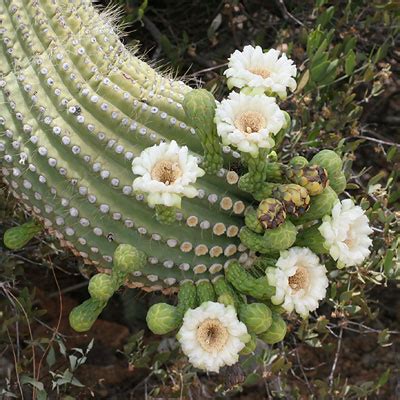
x,y
250,121
212,335
166,171
351,239
300,280
264,73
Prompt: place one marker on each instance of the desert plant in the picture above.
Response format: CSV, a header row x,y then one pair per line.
x,y
80,111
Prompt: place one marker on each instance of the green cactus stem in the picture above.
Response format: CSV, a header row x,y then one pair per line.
x,y
101,287
246,283
199,106
17,237
77,107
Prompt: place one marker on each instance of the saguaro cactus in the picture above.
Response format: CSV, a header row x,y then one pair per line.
x,y
82,120
77,107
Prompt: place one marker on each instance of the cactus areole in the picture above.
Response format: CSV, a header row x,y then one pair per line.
x,y
132,171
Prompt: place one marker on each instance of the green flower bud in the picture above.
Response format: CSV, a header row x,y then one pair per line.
x,y
333,164
162,318
82,317
314,178
226,299
128,259
252,222
298,161
277,332
101,287
205,291
165,215
256,316
250,345
271,213
17,237
295,198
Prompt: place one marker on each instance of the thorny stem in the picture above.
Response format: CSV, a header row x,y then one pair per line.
x,y
335,361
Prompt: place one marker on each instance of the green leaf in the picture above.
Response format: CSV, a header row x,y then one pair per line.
x,y
51,357
325,17
350,44
350,62
25,379
383,378
388,262
303,80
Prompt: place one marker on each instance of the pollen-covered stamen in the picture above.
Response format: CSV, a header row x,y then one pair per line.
x,y
212,335
351,239
166,171
264,73
250,121
300,280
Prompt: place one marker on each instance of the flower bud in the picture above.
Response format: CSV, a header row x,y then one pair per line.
x,y
276,332
314,178
162,318
256,316
101,287
128,258
295,198
271,213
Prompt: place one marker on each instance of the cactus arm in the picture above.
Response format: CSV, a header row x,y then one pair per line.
x,y
58,57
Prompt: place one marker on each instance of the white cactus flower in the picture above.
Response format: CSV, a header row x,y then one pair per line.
x,y
346,234
212,336
300,280
249,122
167,174
264,72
